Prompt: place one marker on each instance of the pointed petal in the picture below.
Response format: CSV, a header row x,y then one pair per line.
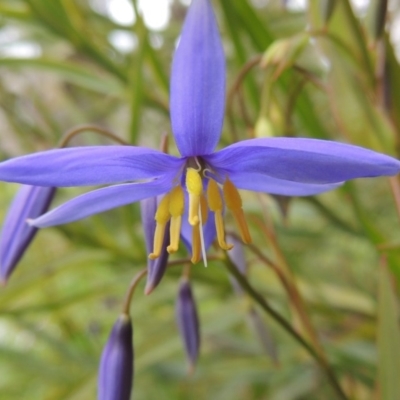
x,y
302,160
90,165
198,83
16,235
116,365
101,200
265,184
155,268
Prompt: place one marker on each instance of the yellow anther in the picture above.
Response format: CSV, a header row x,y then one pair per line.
x,y
214,196
176,208
196,244
231,195
176,201
194,185
234,203
203,209
216,205
162,217
219,225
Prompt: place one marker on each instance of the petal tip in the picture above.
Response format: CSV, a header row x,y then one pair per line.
x,y
149,289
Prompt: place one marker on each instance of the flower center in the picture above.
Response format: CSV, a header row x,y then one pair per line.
x,y
204,194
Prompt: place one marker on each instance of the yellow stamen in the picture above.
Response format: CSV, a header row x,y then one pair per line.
x,y
216,205
196,244
234,204
203,209
194,185
162,217
176,208
197,239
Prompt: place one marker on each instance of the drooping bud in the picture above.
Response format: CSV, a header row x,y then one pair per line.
x,y
116,365
188,322
156,268
16,235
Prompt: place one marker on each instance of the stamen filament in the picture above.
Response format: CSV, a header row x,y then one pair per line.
x,y
176,209
216,205
194,185
194,202
234,203
219,225
200,228
196,245
243,228
197,234
162,217
174,232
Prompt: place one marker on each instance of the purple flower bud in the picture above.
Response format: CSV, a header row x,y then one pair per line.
x,y
188,322
16,235
157,267
116,365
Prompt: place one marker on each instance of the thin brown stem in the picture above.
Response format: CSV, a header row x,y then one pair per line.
x,y
134,282
69,135
235,88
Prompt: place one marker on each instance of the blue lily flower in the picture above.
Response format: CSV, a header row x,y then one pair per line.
x,y
191,184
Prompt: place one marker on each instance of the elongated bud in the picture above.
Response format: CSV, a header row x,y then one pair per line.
x,y
16,235
116,365
188,322
156,268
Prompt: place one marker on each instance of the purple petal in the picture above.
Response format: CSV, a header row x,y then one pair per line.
x,y
101,200
302,160
188,321
91,165
16,235
116,365
198,83
155,268
266,184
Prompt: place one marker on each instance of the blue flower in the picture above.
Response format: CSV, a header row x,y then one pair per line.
x,y
201,179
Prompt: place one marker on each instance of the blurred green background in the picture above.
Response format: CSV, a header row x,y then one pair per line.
x,y
322,69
